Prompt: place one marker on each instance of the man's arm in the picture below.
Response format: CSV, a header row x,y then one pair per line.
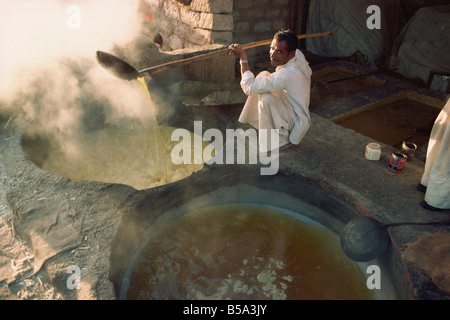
x,y
249,83
237,50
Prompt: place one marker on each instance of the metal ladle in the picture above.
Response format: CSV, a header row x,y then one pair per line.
x,y
364,238
125,71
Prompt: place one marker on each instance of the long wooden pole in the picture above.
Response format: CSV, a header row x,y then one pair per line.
x,y
220,52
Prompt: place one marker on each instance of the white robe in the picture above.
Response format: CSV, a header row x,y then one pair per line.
x,y
279,100
436,175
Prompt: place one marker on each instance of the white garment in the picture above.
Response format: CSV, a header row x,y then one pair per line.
x,y
279,100
436,175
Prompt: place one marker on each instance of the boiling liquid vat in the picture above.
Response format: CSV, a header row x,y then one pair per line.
x,y
122,154
243,252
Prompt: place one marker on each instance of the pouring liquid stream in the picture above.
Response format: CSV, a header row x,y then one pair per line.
x,y
125,144
157,150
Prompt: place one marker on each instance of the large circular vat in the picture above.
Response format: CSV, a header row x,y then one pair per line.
x,y
243,236
243,251
132,151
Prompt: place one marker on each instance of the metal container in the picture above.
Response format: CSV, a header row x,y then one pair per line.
x,y
397,163
408,149
439,81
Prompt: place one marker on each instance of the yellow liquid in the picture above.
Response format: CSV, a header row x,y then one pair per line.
x,y
138,155
121,155
155,139
244,252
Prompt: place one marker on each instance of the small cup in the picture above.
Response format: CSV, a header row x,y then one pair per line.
x,y
373,151
397,163
408,149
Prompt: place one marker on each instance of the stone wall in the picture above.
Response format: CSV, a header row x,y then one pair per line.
x,y
258,20
187,24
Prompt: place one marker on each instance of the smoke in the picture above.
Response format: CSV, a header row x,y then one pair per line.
x,y
50,80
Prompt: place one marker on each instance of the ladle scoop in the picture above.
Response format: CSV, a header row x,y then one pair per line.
x,y
124,70
364,238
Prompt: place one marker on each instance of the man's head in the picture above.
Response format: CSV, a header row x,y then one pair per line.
x,y
283,47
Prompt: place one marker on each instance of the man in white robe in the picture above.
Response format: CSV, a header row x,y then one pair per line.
x,y
278,100
436,177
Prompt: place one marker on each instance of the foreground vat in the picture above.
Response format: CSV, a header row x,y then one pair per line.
x,y
169,210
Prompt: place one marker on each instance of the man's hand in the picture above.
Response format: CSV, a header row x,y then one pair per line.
x,y
237,50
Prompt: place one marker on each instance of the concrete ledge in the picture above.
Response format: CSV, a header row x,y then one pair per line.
x,y
330,157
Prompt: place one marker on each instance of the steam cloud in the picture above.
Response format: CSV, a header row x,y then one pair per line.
x,y
50,79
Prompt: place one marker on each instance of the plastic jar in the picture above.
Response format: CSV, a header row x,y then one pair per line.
x,y
373,151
